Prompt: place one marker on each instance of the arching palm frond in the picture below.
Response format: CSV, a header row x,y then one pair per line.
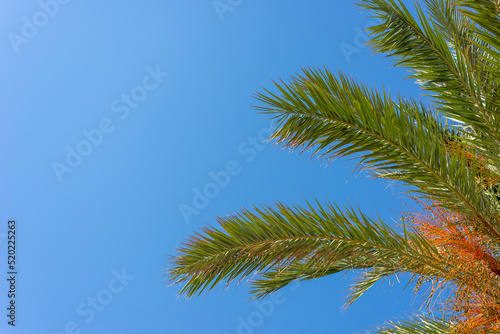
x,y
445,53
293,243
398,139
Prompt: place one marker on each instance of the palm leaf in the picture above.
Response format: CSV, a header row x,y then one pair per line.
x,y
399,139
293,243
418,325
450,59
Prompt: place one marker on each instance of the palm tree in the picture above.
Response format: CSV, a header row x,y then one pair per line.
x,y
446,152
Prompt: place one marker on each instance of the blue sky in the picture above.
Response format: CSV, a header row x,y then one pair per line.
x,y
116,114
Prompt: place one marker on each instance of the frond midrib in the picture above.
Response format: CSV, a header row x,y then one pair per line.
x,y
330,238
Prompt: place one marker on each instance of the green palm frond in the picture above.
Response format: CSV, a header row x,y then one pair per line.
x,y
276,279
418,325
485,52
443,53
399,139
486,16
419,45
293,243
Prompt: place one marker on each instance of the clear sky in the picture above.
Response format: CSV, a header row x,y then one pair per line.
x,y
117,115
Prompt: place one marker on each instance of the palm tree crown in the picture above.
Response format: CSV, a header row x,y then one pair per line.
x,y
447,152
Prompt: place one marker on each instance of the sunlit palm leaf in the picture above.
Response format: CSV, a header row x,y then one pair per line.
x,y
444,54
397,139
417,325
294,243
